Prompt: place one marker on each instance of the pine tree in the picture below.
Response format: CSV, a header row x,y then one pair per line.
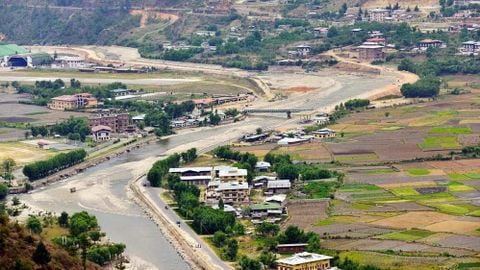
x,y
41,255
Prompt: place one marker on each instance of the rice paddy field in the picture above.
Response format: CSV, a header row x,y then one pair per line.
x,y
405,212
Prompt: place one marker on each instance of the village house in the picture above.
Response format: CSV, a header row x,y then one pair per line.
x,y
263,166
291,248
303,50
262,180
320,31
370,51
324,133
278,187
122,92
296,140
117,122
138,118
305,260
378,14
73,102
470,47
101,133
266,210
430,43
255,137
193,175
278,198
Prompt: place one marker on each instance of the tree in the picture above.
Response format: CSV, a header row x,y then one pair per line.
x,y
3,191
219,239
267,229
416,9
34,225
425,87
63,219
292,235
221,206
249,264
214,119
15,201
286,171
41,255
7,167
81,223
259,131
268,259
231,250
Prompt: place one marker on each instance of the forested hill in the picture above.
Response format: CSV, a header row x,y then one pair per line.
x,y
48,25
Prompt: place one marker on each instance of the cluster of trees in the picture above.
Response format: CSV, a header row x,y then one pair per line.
x,y
180,55
75,128
85,239
44,90
58,162
442,65
160,117
425,87
353,104
159,170
244,161
472,151
228,245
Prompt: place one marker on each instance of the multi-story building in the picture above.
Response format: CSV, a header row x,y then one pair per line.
x,y
305,260
73,102
233,192
232,174
378,14
117,122
370,51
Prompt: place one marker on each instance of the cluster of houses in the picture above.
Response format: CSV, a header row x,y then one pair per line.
x,y
230,185
291,137
104,125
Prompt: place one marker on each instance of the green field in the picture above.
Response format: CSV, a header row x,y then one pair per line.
x,y
469,266
393,128
458,209
381,171
451,130
454,186
418,172
465,176
409,235
440,142
404,191
372,195
358,188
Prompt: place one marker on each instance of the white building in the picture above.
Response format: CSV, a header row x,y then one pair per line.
x,y
101,133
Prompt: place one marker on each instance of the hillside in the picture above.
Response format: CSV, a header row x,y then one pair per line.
x,y
17,246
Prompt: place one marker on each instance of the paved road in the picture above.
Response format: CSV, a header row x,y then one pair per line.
x,y
153,194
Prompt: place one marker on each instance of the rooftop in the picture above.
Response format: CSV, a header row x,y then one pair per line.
x,y
302,258
190,169
232,172
101,127
232,186
65,98
265,206
279,184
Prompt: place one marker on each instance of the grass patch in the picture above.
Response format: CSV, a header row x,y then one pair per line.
x,y
468,266
54,232
451,130
361,206
475,213
434,198
36,113
372,195
356,158
458,176
358,188
440,142
381,171
404,191
409,235
318,190
325,222
454,186
455,209
392,128
473,175
418,172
